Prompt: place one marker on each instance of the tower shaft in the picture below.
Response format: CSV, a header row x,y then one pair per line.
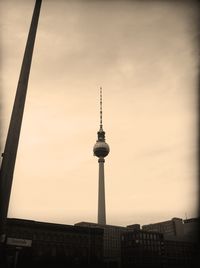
x,y
10,151
101,194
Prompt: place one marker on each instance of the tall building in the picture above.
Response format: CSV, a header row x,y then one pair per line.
x,y
101,150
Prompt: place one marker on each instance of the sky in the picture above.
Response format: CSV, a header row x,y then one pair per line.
x,y
144,55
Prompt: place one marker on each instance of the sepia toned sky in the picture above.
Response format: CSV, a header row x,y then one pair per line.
x,y
144,55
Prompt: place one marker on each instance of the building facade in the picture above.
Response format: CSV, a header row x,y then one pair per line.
x,y
170,228
39,244
181,244
191,229
112,242
142,249
180,254
150,249
30,244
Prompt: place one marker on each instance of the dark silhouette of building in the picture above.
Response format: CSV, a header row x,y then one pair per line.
x,y
191,228
150,249
173,227
119,250
180,241
39,244
180,254
111,240
142,249
176,228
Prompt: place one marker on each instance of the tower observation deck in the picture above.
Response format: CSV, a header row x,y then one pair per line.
x,y
101,150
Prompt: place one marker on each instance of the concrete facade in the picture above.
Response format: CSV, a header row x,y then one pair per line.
x,y
170,228
176,229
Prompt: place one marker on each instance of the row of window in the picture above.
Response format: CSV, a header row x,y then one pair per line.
x,y
163,228
57,237
150,236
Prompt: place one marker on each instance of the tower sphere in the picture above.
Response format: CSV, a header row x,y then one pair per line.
x,y
101,149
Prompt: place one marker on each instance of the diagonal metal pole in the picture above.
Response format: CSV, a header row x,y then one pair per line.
x,y
10,151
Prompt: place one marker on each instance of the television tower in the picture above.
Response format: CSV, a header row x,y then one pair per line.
x,y
101,150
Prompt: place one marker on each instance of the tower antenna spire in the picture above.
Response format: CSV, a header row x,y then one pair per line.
x,y
101,124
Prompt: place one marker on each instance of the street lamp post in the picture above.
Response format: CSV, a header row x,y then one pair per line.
x,y
10,151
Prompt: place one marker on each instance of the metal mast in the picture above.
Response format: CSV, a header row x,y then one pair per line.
x,y
101,126
10,151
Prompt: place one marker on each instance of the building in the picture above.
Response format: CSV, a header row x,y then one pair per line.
x,y
142,249
176,228
180,241
180,254
112,241
150,249
170,228
191,229
37,244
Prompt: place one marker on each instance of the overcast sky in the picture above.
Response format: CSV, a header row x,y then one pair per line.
x,y
144,55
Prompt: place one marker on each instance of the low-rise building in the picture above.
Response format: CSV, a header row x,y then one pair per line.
x,y
142,249
32,243
180,241
180,254
173,227
176,228
191,229
112,241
